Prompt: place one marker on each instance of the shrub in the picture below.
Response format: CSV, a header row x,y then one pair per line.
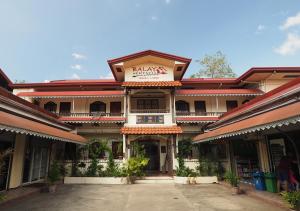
x,y
135,166
231,178
54,173
182,170
292,198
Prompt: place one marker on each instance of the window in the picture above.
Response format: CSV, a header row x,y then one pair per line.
x,y
98,107
182,107
231,104
50,106
65,108
147,104
200,107
115,108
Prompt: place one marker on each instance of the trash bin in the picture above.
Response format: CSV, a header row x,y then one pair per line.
x,y
271,182
259,181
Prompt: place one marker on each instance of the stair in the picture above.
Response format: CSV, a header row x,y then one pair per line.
x,y
155,180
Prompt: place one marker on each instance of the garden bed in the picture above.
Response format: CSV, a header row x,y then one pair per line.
x,y
96,180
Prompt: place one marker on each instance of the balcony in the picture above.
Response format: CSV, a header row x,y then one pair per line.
x,y
95,117
206,114
149,111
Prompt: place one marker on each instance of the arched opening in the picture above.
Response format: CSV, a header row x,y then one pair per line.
x,y
182,107
50,106
97,107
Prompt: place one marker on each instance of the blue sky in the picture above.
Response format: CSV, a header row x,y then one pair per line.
x,y
65,39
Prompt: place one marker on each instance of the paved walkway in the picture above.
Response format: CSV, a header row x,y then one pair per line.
x,y
154,197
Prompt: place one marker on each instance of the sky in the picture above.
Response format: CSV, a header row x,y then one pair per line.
x,y
73,39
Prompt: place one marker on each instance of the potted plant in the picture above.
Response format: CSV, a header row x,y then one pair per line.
x,y
233,180
292,198
53,177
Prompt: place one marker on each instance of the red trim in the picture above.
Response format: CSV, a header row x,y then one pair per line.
x,y
208,119
72,93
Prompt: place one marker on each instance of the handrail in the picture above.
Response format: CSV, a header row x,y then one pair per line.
x,y
149,110
90,114
187,113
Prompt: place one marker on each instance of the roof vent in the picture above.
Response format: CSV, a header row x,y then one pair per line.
x,y
119,70
179,68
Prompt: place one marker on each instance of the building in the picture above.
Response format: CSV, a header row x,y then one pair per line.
x,y
34,134
150,102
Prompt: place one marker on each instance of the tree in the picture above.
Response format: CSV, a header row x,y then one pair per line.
x,y
214,66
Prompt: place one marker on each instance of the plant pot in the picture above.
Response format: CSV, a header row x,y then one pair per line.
x,y
131,179
235,190
192,180
52,188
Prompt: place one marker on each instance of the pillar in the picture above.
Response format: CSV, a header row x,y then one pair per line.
x,y
263,155
18,161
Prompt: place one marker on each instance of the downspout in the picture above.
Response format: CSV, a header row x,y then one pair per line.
x,y
294,145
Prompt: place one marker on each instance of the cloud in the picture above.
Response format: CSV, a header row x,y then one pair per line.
x,y
76,67
291,21
260,28
290,46
154,18
75,76
108,76
168,1
46,81
78,56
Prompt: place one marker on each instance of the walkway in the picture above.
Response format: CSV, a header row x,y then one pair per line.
x,y
154,197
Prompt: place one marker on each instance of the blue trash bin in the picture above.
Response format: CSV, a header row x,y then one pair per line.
x,y
259,181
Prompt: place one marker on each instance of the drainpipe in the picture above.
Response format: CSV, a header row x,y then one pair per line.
x,y
294,145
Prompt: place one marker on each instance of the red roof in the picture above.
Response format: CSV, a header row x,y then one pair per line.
x,y
71,93
259,120
197,119
219,92
150,130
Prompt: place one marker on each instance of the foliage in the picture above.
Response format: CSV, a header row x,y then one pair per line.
x,y
92,170
2,197
231,178
185,148
292,198
54,173
135,166
214,66
3,155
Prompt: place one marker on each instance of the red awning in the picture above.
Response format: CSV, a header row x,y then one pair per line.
x,y
274,118
150,130
92,119
114,93
21,125
152,84
218,92
204,119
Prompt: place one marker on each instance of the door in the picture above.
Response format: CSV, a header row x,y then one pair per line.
x,y
65,108
115,108
200,108
152,152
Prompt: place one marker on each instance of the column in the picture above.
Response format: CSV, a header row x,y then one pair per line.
x,y
263,154
18,161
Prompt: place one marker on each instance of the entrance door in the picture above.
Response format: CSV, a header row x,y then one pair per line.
x,y
152,152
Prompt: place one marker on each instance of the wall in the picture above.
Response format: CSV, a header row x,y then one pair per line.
x,y
268,85
18,161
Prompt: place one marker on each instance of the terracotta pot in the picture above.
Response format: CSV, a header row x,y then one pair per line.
x,y
235,190
52,188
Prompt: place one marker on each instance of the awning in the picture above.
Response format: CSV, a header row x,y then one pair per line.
x,y
152,84
73,94
16,124
93,119
203,119
218,92
151,130
289,114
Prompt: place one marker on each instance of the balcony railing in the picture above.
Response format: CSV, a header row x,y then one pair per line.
x,y
148,111
91,114
186,113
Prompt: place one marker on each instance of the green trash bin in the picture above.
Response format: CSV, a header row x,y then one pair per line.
x,y
271,182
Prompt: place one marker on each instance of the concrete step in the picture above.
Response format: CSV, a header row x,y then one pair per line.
x,y
155,180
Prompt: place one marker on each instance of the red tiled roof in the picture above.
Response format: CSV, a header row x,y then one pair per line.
x,y
203,92
92,119
150,130
71,93
197,119
14,123
152,84
263,119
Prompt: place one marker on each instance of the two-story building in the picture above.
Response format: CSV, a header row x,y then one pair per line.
x,y
150,102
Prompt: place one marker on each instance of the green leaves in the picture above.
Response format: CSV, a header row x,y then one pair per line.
x,y
214,66
231,178
292,198
54,172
